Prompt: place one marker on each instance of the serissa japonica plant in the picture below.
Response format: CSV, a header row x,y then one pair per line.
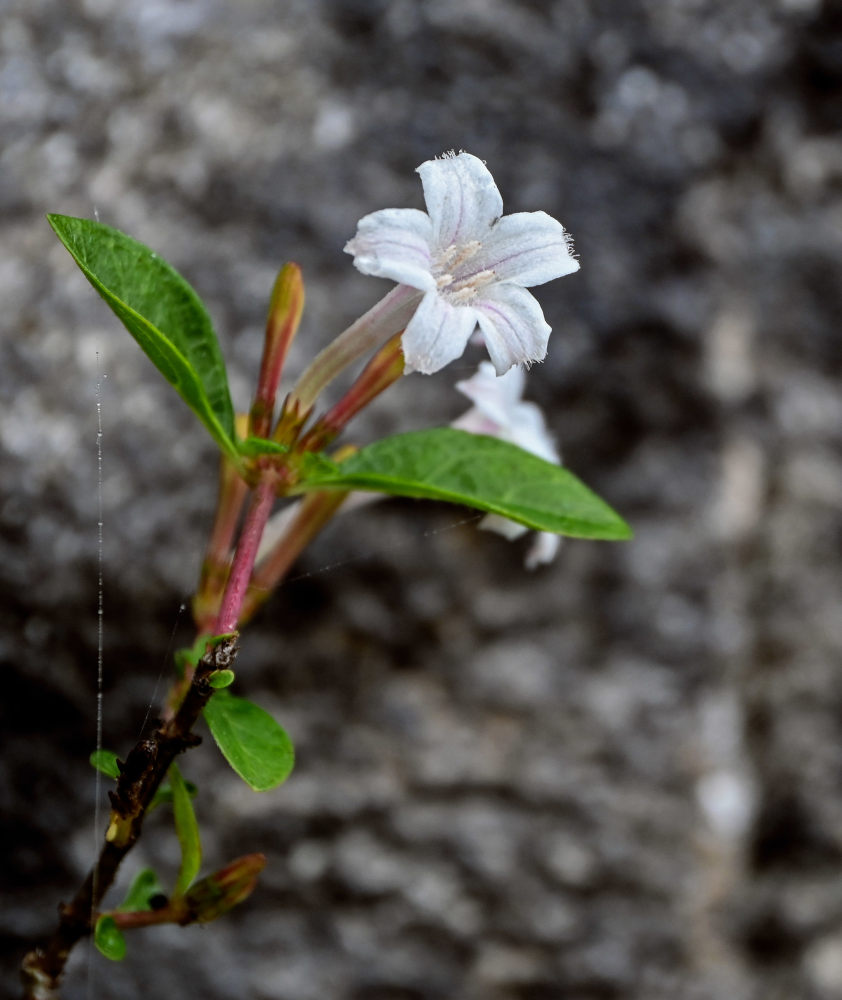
x,y
462,270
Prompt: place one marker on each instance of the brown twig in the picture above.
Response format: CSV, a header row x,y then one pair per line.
x,y
140,776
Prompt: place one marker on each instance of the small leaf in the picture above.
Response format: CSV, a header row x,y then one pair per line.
x,y
250,740
477,471
109,939
162,312
315,464
190,655
144,887
187,830
106,762
253,446
221,679
164,794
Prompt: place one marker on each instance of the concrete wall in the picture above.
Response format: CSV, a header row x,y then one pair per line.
x,y
617,777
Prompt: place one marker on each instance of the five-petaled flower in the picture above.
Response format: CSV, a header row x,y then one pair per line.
x,y
470,264
500,412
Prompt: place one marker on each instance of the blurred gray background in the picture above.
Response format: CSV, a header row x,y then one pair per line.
x,y
619,777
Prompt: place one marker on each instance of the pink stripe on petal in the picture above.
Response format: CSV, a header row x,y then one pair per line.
x,y
513,325
395,243
437,334
527,248
461,197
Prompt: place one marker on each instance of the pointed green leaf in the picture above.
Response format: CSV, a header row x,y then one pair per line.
x,y
187,830
109,939
250,740
164,794
106,762
163,314
144,887
311,464
251,447
477,471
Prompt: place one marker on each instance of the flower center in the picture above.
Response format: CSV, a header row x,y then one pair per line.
x,y
453,279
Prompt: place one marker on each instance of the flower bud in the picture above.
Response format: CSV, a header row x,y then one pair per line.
x,y
285,311
214,895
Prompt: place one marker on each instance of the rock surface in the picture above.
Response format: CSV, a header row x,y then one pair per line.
x,y
618,777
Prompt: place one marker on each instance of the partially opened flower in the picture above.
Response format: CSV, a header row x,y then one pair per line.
x,y
500,412
470,264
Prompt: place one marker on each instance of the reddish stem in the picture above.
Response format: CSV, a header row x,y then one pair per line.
x,y
256,517
313,513
217,561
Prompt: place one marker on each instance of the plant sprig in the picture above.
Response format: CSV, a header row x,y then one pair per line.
x,y
454,272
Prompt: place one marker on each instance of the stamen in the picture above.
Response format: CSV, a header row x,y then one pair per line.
x,y
444,258
462,296
466,289
480,278
452,257
467,250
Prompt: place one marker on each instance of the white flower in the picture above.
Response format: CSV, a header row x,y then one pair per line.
x,y
500,412
471,264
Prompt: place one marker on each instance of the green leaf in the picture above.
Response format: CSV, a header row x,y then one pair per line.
x,y
163,314
164,794
310,464
221,679
144,887
250,740
477,471
187,830
109,939
106,762
251,447
190,655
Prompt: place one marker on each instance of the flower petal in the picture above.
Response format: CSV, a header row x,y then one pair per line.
x,y
513,326
395,243
510,530
528,430
527,248
474,421
493,396
437,334
543,549
462,199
